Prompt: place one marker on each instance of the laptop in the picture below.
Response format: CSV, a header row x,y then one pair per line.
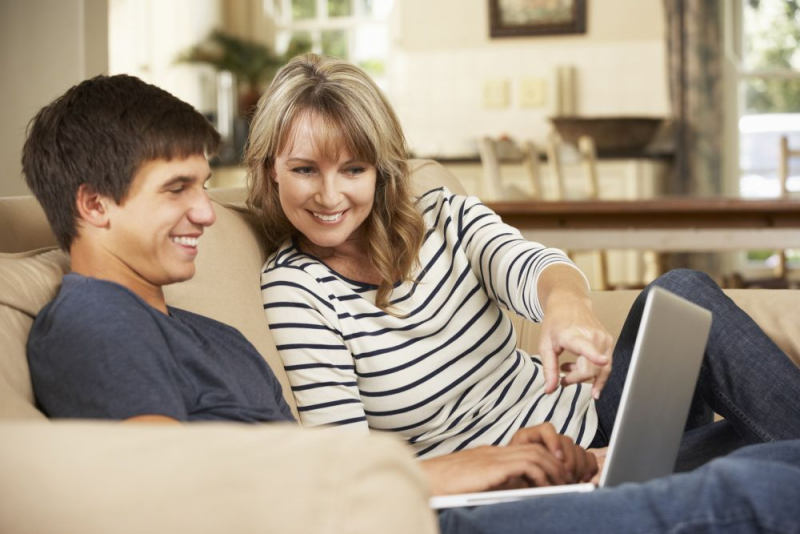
x,y
654,406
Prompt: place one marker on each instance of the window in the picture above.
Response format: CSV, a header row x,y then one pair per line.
x,y
354,30
769,93
763,61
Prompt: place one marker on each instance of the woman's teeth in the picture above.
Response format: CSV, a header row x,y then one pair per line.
x,y
328,218
186,241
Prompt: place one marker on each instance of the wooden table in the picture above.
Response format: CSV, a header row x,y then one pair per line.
x,y
664,224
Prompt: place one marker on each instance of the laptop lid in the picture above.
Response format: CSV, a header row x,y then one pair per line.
x,y
658,390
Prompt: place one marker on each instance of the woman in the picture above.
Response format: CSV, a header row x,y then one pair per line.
x,y
386,309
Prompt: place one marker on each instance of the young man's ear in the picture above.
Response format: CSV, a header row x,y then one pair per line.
x,y
92,206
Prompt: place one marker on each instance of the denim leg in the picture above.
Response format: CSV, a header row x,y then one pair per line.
x,y
752,490
704,443
744,377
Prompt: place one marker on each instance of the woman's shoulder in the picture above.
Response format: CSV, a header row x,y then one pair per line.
x,y
436,202
287,257
434,196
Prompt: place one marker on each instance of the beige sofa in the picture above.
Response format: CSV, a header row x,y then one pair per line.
x,y
72,476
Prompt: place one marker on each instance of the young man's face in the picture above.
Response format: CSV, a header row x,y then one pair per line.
x,y
153,233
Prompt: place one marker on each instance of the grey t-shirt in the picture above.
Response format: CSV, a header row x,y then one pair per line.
x,y
99,351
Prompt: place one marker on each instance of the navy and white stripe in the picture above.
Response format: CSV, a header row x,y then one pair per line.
x,y
448,375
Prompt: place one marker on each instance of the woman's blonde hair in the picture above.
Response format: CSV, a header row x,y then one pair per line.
x,y
351,113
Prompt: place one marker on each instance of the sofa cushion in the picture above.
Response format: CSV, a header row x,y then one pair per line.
x,y
100,477
28,281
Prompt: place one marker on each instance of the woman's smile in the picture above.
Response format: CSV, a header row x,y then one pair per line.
x,y
328,218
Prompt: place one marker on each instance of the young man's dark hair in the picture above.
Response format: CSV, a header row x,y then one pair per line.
x,y
99,133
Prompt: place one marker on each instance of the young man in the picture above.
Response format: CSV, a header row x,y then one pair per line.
x,y
119,167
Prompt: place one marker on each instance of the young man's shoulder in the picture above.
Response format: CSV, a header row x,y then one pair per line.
x,y
90,306
84,304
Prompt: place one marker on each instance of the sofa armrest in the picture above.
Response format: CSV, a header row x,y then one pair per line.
x,y
98,477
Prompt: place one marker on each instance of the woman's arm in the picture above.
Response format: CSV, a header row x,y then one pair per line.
x,y
508,265
319,365
541,284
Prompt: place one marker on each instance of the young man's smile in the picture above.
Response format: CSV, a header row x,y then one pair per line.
x,y
189,243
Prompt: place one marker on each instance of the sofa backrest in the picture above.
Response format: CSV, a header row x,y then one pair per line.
x,y
28,281
226,286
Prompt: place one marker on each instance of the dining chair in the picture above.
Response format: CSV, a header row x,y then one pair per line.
x,y
493,187
585,155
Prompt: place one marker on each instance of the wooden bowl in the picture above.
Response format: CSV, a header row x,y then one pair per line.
x,y
612,134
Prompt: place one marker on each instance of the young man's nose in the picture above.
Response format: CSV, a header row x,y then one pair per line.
x,y
202,211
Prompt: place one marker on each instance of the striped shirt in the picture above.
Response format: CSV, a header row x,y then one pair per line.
x,y
448,375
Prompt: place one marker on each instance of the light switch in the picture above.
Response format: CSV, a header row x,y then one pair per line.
x,y
533,92
495,94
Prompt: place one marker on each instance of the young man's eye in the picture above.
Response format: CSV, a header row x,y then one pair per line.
x,y
177,190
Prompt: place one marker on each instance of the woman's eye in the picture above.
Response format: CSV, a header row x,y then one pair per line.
x,y
355,171
303,170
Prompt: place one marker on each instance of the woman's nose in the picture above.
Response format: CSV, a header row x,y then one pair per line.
x,y
329,195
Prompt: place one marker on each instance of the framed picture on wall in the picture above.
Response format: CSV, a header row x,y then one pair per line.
x,y
519,18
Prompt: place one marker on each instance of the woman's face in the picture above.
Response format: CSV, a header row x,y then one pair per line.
x,y
327,201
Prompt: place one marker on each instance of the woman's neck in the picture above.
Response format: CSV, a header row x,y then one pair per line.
x,y
350,259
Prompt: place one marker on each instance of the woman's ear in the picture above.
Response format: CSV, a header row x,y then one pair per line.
x,y
92,206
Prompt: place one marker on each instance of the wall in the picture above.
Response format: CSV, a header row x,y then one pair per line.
x,y
147,36
443,57
46,46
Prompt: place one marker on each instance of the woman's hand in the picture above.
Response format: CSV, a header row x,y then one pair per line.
x,y
492,468
570,324
535,456
580,465
600,458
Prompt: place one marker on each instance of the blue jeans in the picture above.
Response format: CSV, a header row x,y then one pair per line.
x,y
754,489
744,377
